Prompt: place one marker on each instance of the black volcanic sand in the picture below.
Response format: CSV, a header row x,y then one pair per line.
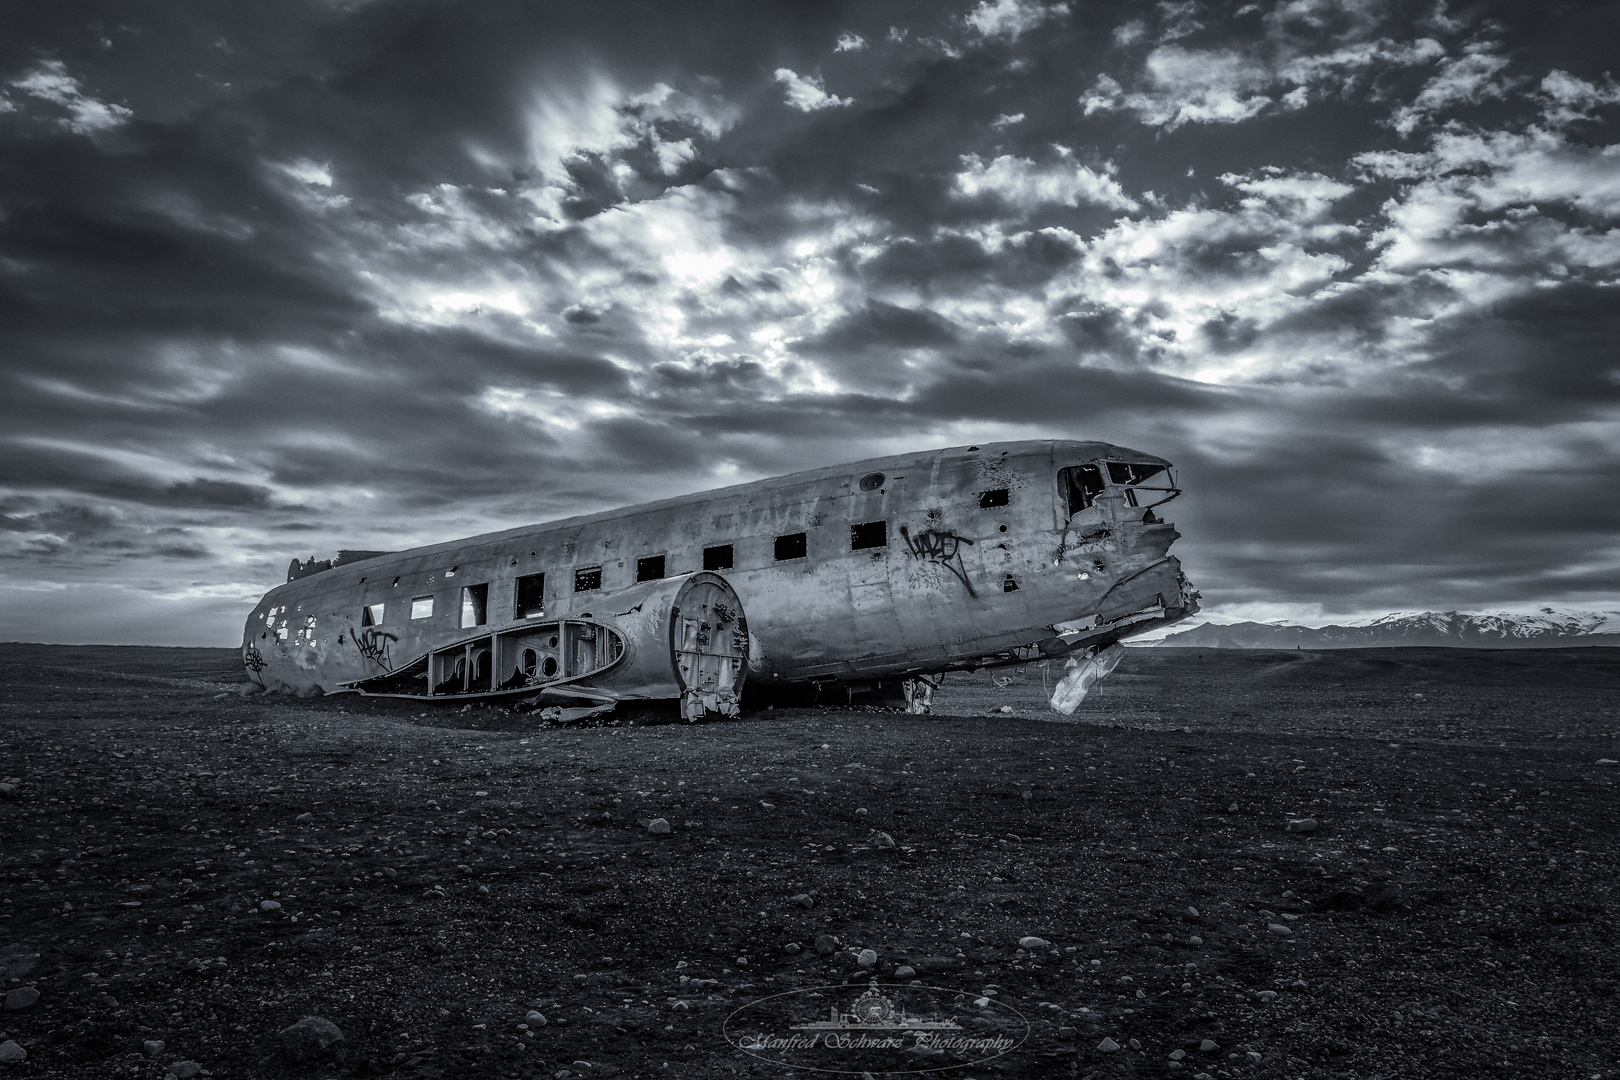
x,y
1454,914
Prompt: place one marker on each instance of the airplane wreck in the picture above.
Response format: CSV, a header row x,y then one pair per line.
x,y
874,577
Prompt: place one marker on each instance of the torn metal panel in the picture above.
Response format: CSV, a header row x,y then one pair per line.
x,y
684,639
1081,674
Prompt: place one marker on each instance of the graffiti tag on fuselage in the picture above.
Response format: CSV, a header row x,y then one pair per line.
x,y
375,645
941,547
253,660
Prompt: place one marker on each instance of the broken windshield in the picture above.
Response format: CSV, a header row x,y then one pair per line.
x,y
1130,472
1080,485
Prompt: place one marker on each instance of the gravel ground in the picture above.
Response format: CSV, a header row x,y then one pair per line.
x,y
190,865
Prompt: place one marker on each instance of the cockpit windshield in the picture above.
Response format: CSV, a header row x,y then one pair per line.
x,y
1081,485
1130,472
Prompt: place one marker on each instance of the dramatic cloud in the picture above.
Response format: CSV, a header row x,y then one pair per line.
x,y
1011,18
805,92
374,275
1020,183
51,82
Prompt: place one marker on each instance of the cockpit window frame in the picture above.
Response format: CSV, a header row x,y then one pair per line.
x,y
1075,496
1105,472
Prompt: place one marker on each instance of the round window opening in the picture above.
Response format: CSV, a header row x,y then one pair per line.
x,y
872,481
549,666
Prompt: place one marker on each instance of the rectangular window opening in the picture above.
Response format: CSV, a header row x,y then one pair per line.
x,y
371,615
587,578
717,558
650,569
1081,484
869,534
474,605
421,607
991,499
792,546
531,596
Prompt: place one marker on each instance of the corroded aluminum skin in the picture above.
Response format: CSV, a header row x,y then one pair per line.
x,y
933,599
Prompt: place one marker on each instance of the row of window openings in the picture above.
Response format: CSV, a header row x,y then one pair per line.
x,y
530,592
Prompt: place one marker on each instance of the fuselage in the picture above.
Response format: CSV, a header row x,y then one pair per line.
x,y
886,568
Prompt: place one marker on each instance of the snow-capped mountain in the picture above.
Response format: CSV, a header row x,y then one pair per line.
x,y
1547,628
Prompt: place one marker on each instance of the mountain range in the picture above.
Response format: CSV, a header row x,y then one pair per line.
x,y
1544,629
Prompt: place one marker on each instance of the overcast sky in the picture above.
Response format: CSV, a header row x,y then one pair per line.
x,y
281,278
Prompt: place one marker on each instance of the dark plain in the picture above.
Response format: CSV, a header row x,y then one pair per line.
x,y
434,877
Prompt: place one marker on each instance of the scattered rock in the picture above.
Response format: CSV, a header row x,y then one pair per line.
x,y
826,944
153,1047
792,948
21,998
9,791
883,840
534,1018
763,805
1177,1055
1033,943
1268,995
1192,912
867,958
659,827
11,1053
1253,1056
1108,1046
860,811
1302,825
185,1070
1298,984
390,873
1232,809
1280,930
269,905
311,1039
305,818
1600,761
1135,1044
18,965
1068,1032
804,900
1195,940
1208,1046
